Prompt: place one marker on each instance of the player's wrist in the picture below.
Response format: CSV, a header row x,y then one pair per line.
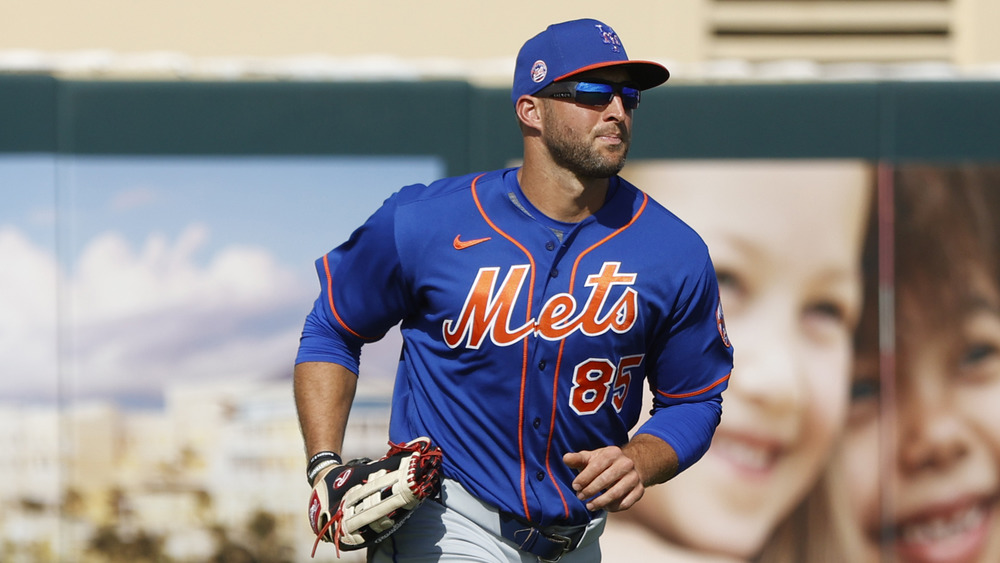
x,y
319,462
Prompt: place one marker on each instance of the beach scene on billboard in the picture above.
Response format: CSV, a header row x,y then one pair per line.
x,y
151,313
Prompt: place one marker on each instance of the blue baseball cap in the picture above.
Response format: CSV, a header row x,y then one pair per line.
x,y
569,48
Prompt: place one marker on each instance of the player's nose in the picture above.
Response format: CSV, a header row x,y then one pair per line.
x,y
616,108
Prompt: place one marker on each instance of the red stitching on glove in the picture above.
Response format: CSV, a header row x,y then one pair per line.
x,y
337,519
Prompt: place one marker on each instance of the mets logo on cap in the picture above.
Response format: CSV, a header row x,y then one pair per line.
x,y
609,37
538,71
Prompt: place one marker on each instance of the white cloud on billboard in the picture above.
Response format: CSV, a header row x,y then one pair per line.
x,y
136,319
27,317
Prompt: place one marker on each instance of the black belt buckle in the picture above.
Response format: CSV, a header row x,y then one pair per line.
x,y
549,547
567,547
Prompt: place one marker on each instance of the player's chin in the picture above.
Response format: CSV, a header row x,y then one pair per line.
x,y
603,168
614,159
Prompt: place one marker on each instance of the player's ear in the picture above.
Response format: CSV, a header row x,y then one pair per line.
x,y
529,112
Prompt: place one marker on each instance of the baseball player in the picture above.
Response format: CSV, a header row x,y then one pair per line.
x,y
535,304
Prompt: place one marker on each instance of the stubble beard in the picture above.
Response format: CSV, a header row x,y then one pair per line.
x,y
579,156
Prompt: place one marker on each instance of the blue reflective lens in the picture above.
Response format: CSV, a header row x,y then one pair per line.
x,y
599,94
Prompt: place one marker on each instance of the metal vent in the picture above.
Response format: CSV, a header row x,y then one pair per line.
x,y
831,30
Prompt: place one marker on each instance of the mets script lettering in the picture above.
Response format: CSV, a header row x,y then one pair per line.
x,y
487,309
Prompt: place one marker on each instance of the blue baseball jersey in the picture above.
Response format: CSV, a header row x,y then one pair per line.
x,y
526,338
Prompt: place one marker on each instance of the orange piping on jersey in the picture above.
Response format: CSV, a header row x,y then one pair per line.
x,y
645,200
524,361
552,424
698,392
562,344
329,293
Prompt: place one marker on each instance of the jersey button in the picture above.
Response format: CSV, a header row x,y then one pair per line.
x,y
536,423
554,272
550,245
541,365
540,475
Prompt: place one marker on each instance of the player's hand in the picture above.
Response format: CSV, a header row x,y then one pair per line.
x,y
607,475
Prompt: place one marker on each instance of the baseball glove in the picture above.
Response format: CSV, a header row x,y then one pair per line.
x,y
361,502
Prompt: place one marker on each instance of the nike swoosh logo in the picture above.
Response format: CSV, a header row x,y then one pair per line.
x,y
460,244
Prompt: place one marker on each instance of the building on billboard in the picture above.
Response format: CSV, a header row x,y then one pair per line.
x,y
29,456
216,455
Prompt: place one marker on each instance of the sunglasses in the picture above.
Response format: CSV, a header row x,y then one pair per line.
x,y
592,93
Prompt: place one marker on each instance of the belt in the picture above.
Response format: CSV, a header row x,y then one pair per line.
x,y
548,544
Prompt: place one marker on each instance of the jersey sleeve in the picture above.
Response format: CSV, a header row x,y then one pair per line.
x,y
690,371
361,293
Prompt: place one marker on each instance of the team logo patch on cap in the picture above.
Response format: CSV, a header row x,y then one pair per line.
x,y
538,71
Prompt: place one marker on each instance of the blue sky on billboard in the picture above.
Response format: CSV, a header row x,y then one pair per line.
x,y
143,271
